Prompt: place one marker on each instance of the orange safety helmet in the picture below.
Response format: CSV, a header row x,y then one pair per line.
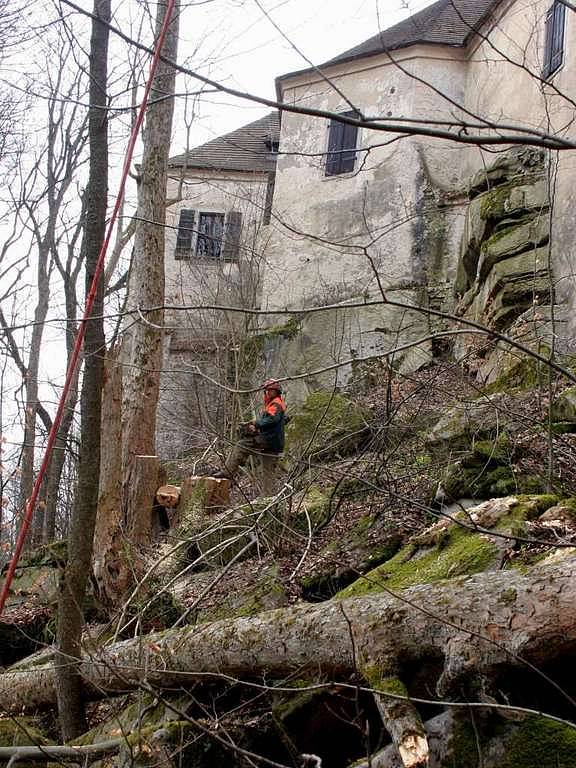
x,y
272,384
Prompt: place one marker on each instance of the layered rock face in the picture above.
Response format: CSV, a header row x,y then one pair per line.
x,y
504,259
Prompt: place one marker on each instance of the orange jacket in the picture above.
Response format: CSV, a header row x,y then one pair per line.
x,y
271,422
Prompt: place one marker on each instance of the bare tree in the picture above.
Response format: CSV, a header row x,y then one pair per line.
x,y
142,344
75,576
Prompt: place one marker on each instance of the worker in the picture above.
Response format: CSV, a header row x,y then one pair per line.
x,y
262,437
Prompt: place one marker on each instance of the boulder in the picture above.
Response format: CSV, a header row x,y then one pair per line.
x,y
465,421
328,424
563,408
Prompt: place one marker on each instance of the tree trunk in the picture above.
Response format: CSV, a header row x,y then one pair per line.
x,y
69,272
57,463
31,386
139,496
109,545
127,490
527,619
74,579
142,344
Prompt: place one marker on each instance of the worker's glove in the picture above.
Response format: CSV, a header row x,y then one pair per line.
x,y
247,428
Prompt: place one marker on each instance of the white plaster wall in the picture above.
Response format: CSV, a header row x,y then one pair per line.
x,y
193,410
210,281
325,228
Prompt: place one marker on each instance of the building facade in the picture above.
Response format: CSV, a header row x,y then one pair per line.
x,y
219,199
422,214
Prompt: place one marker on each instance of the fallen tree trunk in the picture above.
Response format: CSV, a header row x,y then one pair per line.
x,y
475,623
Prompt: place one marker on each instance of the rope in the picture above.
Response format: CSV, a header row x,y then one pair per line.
x,y
29,509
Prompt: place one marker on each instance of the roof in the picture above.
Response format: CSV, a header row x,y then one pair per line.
x,y
246,149
446,22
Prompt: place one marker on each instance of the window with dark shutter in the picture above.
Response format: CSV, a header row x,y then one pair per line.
x,y
185,234
210,233
231,248
342,139
554,39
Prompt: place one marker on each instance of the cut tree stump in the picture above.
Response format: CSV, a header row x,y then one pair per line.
x,y
168,496
215,498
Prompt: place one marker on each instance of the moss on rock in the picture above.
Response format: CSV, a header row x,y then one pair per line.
x,y
493,205
469,479
521,375
463,553
315,507
563,407
55,553
21,732
540,743
327,424
286,705
143,714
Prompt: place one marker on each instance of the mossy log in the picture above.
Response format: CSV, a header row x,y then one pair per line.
x,y
476,624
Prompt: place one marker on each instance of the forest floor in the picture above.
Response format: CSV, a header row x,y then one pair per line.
x,y
382,506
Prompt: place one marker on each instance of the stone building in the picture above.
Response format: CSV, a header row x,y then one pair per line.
x,y
219,199
379,221
391,213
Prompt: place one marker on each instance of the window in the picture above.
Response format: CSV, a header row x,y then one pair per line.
x,y
208,235
554,39
342,139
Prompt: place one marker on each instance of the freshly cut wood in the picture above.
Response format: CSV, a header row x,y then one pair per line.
x,y
215,496
476,624
168,496
217,492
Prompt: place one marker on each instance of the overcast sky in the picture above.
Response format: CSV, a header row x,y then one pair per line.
x,y
234,42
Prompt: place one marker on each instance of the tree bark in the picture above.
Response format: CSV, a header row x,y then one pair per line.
x,y
142,344
530,616
69,271
109,544
75,576
31,386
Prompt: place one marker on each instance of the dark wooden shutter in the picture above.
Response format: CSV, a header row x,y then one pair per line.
x,y
341,137
554,39
185,234
349,139
232,232
269,197
335,134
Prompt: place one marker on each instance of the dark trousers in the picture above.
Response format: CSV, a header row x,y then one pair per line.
x,y
255,445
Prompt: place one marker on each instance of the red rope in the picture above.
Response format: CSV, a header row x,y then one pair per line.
x,y
29,510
